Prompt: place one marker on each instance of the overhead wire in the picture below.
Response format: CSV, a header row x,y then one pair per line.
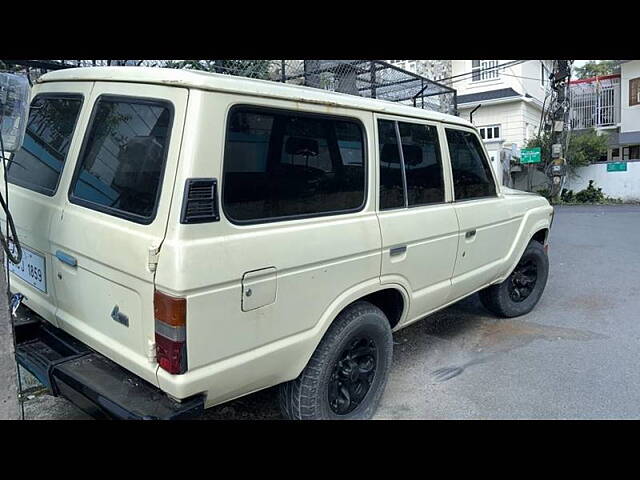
x,y
503,65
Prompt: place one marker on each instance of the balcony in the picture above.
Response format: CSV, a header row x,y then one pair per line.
x,y
595,102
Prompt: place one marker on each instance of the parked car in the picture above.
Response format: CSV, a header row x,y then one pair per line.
x,y
190,238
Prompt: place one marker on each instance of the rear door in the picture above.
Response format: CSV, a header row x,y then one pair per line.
x,y
34,173
117,200
417,220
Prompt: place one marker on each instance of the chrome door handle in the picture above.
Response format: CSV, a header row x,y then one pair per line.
x,y
470,234
397,250
66,258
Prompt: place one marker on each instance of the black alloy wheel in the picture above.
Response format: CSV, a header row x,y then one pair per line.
x,y
352,375
523,280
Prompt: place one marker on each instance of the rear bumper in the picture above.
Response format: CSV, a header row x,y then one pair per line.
x,y
92,382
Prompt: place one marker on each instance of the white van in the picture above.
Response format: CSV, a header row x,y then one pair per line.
x,y
189,238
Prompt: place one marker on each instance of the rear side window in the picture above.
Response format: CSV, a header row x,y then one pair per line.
x,y
422,163
121,166
39,163
416,175
281,164
391,181
471,172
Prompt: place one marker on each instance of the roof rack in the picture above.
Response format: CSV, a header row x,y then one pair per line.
x,y
364,78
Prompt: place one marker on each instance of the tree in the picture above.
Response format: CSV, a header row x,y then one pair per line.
x,y
595,68
584,148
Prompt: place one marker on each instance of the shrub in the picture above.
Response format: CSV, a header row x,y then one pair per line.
x,y
567,196
545,192
590,194
584,148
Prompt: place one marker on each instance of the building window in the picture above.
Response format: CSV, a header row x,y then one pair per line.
x,y
615,154
632,152
634,91
491,132
281,164
483,70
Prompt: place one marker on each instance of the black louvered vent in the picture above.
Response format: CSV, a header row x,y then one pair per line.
x,y
200,203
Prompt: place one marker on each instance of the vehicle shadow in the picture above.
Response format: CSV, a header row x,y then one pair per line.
x,y
445,325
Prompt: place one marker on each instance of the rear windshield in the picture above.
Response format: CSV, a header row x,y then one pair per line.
x,y
122,162
39,163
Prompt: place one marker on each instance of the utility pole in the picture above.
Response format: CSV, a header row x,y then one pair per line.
x,y
14,108
556,124
9,404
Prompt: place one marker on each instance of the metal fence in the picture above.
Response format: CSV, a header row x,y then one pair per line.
x,y
365,78
595,103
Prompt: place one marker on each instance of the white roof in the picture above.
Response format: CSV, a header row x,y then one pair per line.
x,y
241,85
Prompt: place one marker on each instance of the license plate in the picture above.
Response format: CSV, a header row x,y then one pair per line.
x,y
31,268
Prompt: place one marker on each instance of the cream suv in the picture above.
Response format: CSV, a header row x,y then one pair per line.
x,y
190,238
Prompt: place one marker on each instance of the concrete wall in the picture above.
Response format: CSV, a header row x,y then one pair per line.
x,y
630,116
624,185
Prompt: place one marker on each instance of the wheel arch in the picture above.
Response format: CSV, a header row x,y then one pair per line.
x,y
537,231
540,236
385,296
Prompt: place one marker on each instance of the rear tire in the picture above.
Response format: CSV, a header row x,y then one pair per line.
x,y
522,290
347,374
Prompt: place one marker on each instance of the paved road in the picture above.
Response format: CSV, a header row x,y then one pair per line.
x,y
575,356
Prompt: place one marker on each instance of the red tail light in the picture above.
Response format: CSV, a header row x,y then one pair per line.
x,y
171,332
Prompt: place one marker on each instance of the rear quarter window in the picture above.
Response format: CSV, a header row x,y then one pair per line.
x,y
39,163
122,162
282,165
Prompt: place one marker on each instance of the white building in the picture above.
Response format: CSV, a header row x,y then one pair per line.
x,y
610,104
508,103
432,69
629,135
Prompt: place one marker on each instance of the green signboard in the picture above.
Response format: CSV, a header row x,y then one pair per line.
x,y
617,167
530,155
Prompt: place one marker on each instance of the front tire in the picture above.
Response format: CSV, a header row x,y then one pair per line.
x,y
522,290
347,374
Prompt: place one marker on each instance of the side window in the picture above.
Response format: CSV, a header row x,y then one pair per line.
x,y
471,171
391,182
283,164
39,163
122,163
422,163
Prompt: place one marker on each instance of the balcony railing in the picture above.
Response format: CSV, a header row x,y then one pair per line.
x,y
595,102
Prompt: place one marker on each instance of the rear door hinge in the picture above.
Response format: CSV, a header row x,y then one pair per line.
x,y
154,253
